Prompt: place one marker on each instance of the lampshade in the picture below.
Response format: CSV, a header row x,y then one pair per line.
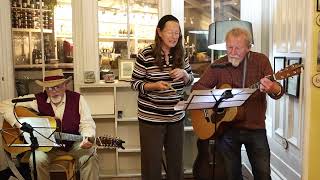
x,y
219,30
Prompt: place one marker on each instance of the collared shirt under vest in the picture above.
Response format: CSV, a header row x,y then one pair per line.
x,y
71,117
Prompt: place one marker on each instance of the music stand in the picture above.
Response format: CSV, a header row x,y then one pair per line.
x,y
214,99
39,135
206,99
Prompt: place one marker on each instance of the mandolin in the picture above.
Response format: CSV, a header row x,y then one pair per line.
x,y
205,128
12,135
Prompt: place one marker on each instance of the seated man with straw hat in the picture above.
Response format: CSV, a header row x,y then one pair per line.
x,y
72,115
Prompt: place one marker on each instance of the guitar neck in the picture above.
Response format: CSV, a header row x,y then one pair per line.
x,y
257,84
289,71
68,137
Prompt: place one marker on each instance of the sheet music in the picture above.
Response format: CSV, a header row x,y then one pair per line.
x,y
206,99
41,125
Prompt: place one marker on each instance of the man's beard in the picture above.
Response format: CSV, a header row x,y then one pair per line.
x,y
56,99
234,61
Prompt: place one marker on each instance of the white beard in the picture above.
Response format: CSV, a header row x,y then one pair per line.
x,y
234,61
56,100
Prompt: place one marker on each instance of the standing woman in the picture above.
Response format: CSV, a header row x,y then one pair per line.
x,y
160,74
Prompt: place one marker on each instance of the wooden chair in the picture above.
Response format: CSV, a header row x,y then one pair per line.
x,y
63,164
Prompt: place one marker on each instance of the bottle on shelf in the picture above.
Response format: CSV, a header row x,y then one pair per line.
x,y
36,56
14,3
18,4
32,4
37,4
24,3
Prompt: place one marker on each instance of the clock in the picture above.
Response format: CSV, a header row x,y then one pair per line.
x,y
318,20
316,80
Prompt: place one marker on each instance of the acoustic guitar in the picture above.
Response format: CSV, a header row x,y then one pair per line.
x,y
204,127
12,135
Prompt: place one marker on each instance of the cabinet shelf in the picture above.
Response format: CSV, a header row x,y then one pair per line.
x,y
129,173
117,38
31,30
112,22
103,116
37,66
128,119
114,38
129,149
102,84
69,36
31,9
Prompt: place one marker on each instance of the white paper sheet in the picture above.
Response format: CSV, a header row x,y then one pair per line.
x,y
42,131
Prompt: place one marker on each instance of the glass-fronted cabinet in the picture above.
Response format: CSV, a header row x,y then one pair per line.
x,y
41,40
198,16
125,27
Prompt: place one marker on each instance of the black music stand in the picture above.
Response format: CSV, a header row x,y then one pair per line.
x,y
36,137
206,99
215,99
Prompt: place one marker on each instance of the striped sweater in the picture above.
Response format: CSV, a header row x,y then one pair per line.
x,y
157,106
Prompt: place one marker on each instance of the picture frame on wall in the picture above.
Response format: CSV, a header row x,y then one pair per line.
x,y
279,63
125,69
293,83
318,5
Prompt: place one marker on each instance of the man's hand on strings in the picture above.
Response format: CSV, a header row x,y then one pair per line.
x,y
86,144
268,86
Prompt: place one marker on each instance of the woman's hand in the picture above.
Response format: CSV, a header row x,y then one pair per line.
x,y
178,74
157,86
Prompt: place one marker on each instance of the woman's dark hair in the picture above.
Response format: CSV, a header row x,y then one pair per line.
x,y
177,52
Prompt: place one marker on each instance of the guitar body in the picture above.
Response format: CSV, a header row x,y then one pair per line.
x,y
204,126
12,135
205,129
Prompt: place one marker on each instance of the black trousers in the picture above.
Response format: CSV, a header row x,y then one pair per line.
x,y
155,136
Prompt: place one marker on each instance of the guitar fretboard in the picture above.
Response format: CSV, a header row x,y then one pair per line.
x,y
68,137
257,84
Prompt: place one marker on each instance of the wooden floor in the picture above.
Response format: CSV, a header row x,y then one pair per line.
x,y
245,173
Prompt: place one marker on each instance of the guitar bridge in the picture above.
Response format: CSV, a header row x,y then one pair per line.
x,y
206,115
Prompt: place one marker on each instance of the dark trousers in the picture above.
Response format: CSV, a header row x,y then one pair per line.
x,y
258,151
155,136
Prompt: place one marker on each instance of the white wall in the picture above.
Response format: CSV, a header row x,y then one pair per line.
x,y
252,11
6,64
85,38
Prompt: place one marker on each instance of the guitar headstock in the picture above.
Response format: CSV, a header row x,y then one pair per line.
x,y
110,142
289,71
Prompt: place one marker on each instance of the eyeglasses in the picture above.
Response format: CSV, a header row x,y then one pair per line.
x,y
55,88
172,33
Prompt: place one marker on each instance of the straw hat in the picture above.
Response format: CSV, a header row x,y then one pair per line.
x,y
53,78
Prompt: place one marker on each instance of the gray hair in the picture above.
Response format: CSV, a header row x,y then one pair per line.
x,y
236,32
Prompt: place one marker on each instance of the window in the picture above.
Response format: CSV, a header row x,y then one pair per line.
x,y
40,44
125,27
197,18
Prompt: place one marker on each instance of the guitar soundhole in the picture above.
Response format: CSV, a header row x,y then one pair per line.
x,y
217,117
220,111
